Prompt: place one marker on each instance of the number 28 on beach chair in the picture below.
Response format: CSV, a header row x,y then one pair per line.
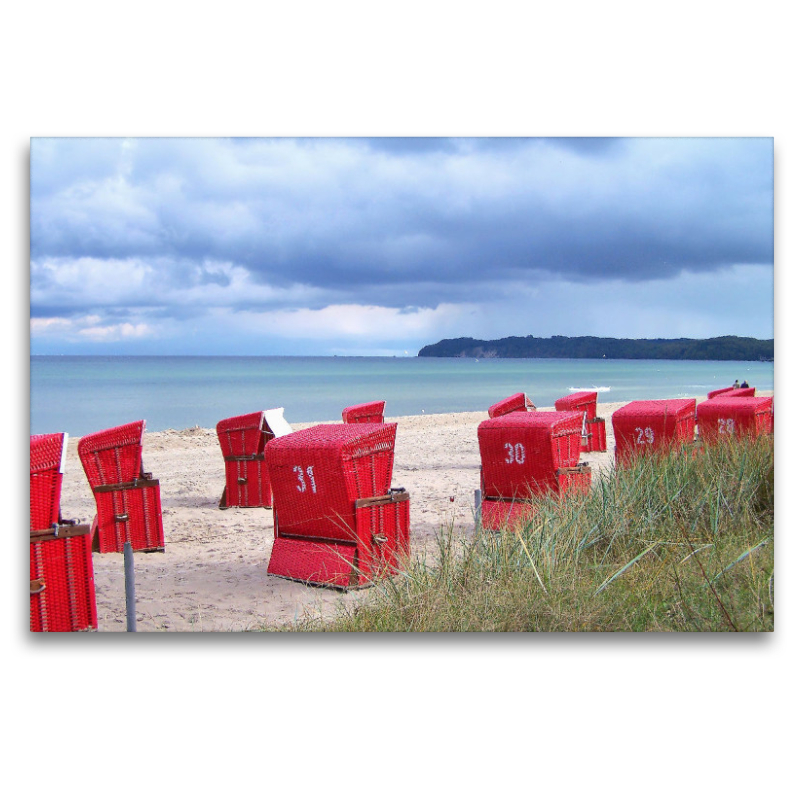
x,y
128,499
731,415
242,440
652,426
336,520
364,412
524,456
62,577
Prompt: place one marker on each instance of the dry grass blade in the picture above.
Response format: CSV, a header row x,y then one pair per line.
x,y
533,565
624,569
742,557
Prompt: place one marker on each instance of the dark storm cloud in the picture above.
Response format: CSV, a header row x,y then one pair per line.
x,y
399,222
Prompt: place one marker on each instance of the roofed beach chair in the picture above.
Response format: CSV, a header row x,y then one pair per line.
x,y
716,392
652,426
62,576
128,499
337,522
594,437
242,440
730,415
524,456
364,412
516,402
733,391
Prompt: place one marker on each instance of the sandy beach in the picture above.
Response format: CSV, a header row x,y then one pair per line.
x,y
213,577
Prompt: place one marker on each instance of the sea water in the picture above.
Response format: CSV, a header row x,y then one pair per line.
x,y
83,394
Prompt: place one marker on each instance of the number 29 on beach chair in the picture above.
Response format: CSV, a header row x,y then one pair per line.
x,y
651,427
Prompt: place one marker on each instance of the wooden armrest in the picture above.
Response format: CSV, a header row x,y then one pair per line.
x,y
139,483
395,496
63,530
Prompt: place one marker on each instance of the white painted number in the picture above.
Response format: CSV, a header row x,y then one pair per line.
x,y
725,425
515,452
645,436
301,480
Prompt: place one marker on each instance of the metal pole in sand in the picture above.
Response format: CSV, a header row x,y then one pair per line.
x,y
130,588
477,507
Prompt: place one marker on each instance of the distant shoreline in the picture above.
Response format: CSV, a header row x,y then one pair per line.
x,y
720,348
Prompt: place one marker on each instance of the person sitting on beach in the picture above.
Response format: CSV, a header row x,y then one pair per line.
x,y
745,384
736,384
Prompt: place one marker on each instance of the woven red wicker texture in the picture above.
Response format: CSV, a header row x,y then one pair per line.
x,y
67,602
521,452
383,535
327,563
648,426
497,514
246,481
750,391
720,391
63,566
517,402
364,412
381,542
729,415
579,401
596,429
46,477
318,473
574,481
111,457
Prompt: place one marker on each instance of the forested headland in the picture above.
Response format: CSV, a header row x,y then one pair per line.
x,y
720,348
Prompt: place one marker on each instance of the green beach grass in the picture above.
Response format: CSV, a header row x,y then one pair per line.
x,y
683,542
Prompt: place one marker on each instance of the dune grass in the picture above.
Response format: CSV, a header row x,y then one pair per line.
x,y
679,543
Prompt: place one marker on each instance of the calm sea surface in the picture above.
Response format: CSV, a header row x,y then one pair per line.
x,y
83,394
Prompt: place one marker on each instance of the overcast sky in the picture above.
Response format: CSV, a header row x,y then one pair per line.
x,y
380,246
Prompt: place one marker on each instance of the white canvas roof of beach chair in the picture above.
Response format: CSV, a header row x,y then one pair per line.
x,y
277,424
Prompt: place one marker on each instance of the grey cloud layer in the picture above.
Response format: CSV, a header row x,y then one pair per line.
x,y
394,222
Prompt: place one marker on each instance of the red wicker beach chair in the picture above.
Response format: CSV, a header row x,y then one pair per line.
x,y
365,412
729,415
528,455
337,521
594,426
517,402
242,440
749,391
652,426
62,577
128,499
716,392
